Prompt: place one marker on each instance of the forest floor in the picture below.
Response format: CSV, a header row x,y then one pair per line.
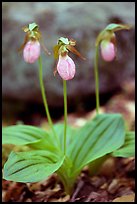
x,y
114,183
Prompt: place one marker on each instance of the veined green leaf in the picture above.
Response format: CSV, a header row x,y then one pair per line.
x,y
31,166
104,134
59,129
128,148
26,135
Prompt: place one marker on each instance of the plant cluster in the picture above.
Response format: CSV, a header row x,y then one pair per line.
x,y
64,149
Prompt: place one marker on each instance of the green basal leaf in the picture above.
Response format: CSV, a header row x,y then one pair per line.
x,y
32,26
104,134
59,129
31,166
128,148
44,144
27,135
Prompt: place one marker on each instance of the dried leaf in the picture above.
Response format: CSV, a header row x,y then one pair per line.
x,y
125,198
64,199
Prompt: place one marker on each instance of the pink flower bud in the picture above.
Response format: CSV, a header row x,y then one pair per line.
x,y
66,67
31,51
107,50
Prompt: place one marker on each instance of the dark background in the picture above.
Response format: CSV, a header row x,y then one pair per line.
x,y
82,21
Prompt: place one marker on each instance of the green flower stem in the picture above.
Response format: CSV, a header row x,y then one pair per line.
x,y
65,113
96,78
44,96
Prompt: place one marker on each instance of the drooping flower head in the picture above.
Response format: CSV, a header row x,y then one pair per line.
x,y
107,40
31,51
31,46
65,66
108,49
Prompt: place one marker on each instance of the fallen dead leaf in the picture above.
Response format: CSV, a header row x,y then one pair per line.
x,y
64,199
114,185
126,198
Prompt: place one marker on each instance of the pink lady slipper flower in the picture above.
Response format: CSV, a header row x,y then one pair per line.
x,y
65,66
107,50
31,51
107,40
31,46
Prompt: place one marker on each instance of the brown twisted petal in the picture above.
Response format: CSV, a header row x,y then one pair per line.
x,y
72,42
74,51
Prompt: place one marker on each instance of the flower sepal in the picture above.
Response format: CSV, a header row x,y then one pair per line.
x,y
64,45
32,42
108,32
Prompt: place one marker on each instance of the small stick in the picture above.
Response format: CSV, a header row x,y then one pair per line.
x,y
79,186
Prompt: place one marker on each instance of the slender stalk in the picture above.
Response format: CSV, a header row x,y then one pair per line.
x,y
65,113
96,79
44,96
